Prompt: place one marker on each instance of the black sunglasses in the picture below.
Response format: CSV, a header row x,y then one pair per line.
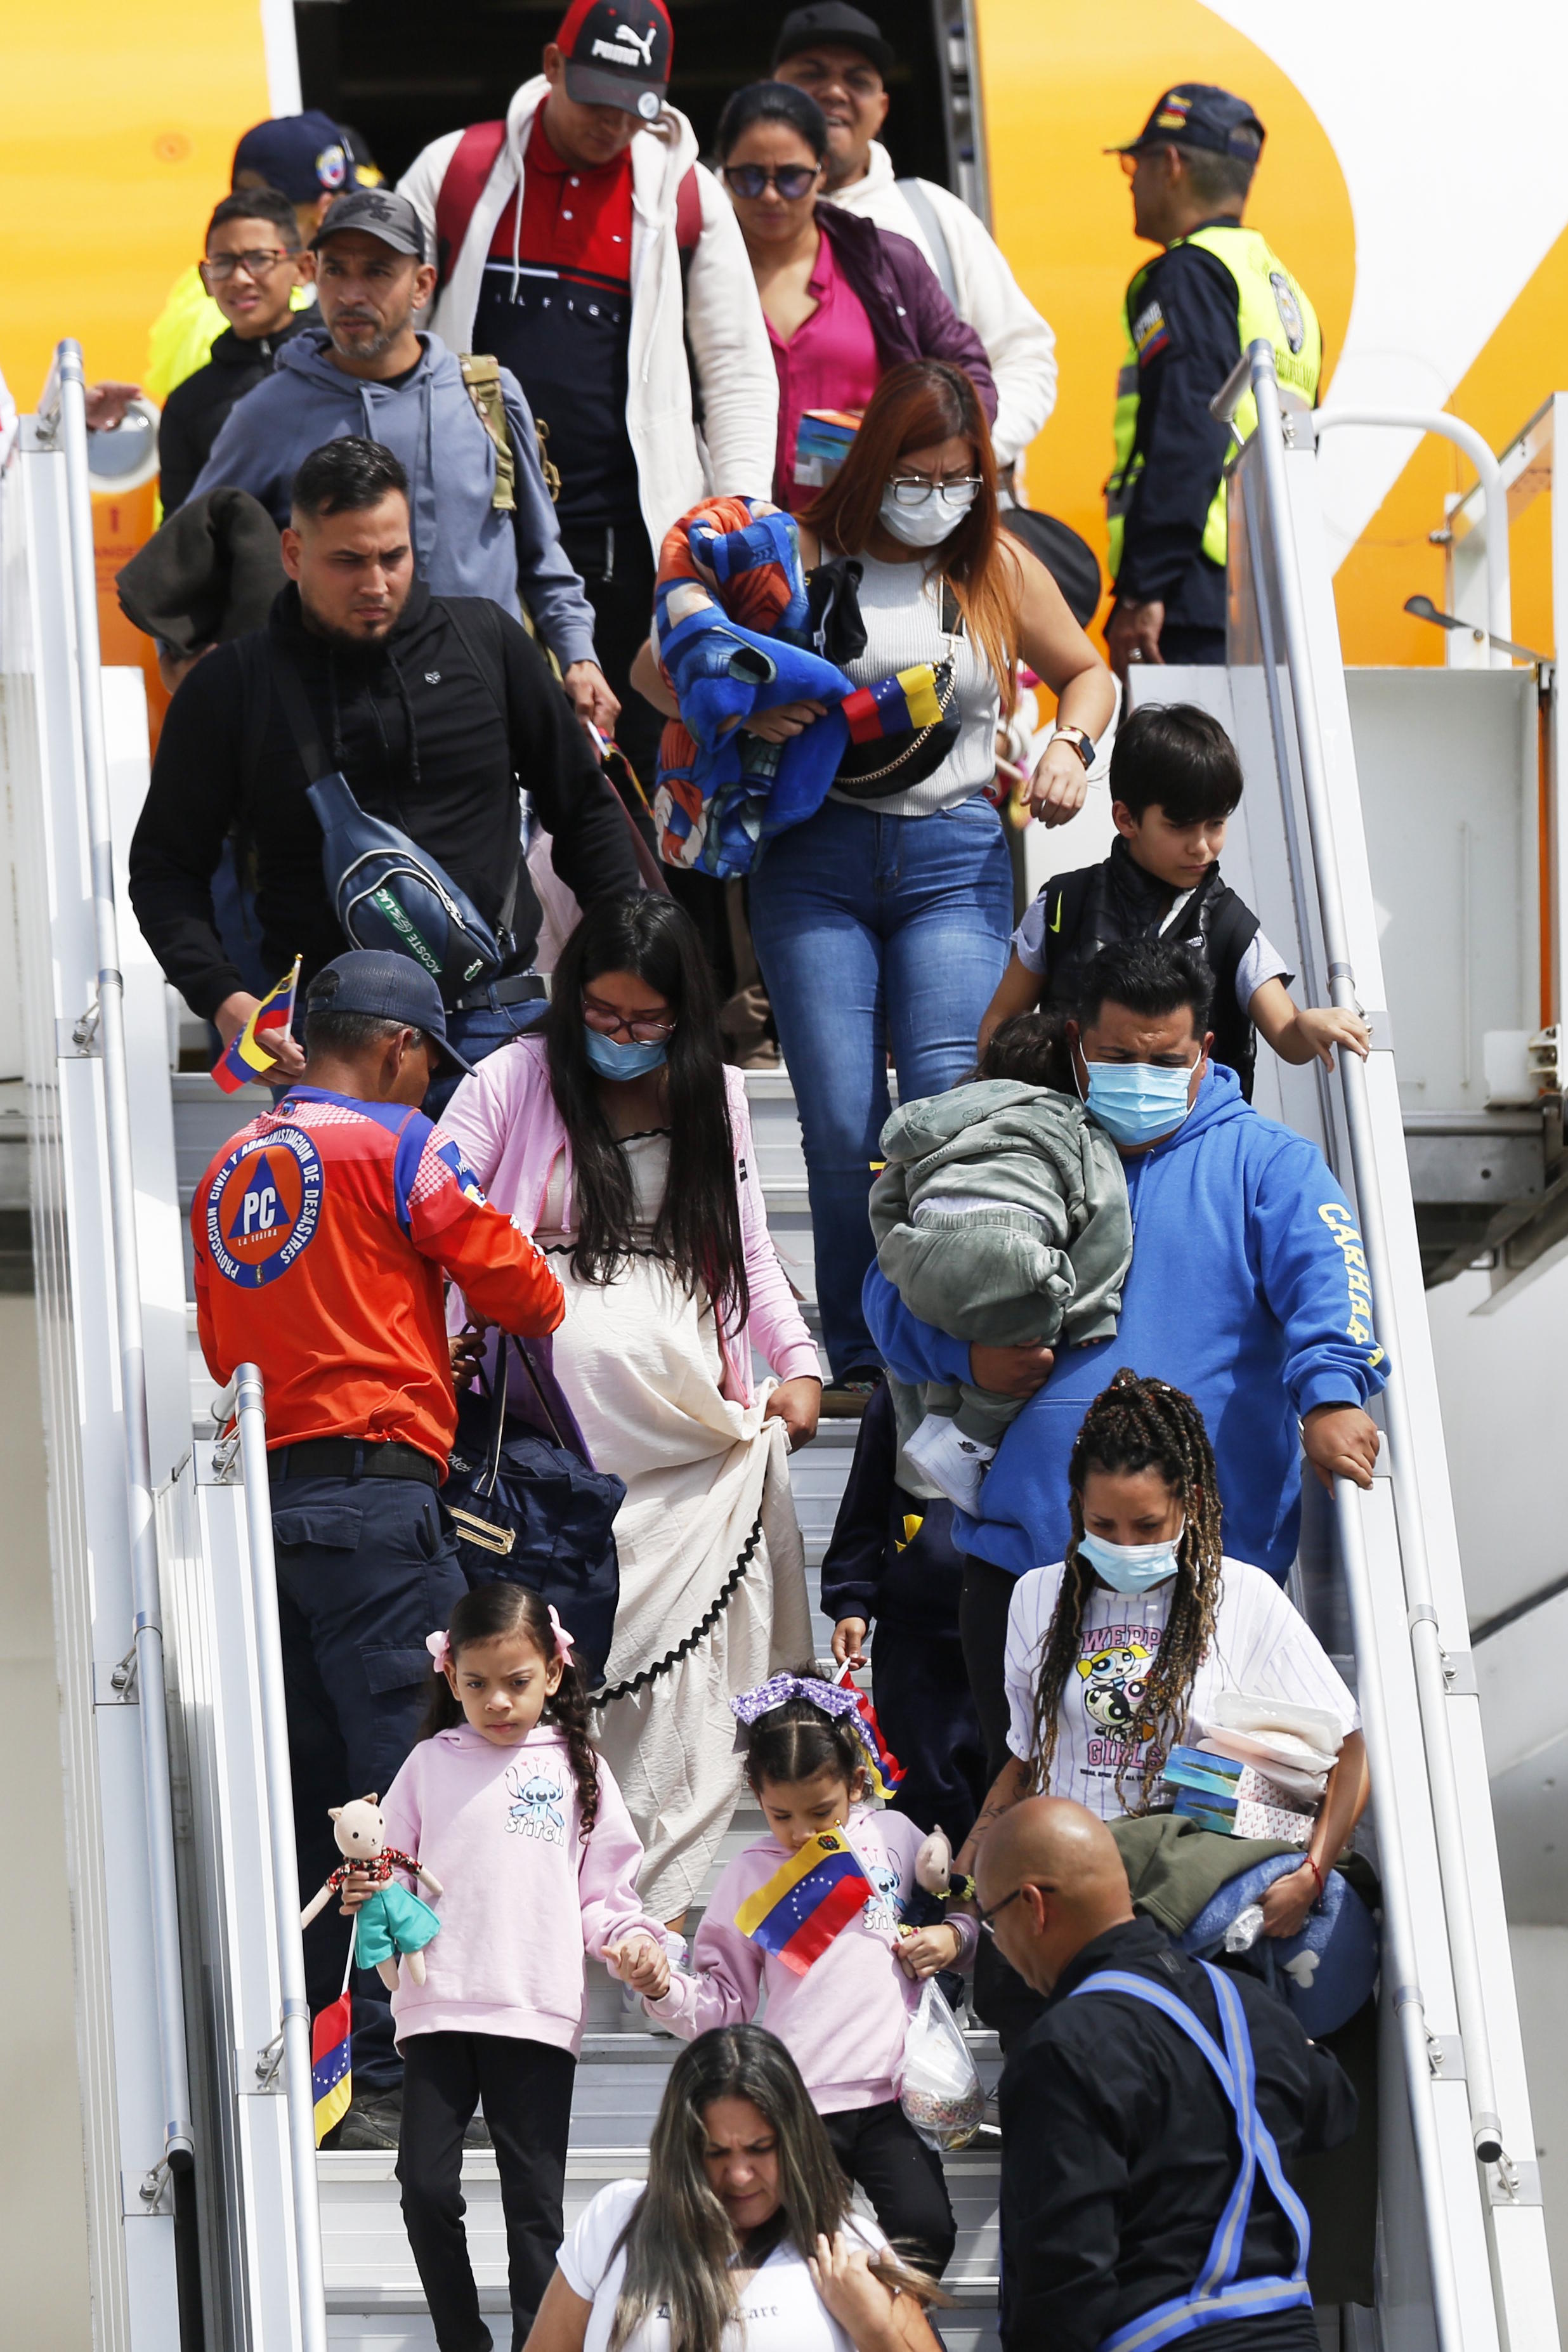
x,y
792,180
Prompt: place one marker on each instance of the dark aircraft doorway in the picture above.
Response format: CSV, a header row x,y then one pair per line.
x,y
403,71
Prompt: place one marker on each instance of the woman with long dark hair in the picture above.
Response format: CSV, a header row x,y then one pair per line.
x,y
741,2233
844,299
882,922
619,1138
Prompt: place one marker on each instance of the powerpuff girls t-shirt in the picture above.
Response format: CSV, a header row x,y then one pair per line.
x,y
1261,1645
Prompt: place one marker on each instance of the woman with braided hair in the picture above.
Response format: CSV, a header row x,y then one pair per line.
x,y
1115,1656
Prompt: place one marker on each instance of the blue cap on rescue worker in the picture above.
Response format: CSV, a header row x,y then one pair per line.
x,y
1197,114
384,987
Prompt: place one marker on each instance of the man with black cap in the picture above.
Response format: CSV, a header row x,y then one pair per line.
x,y
582,243
838,55
307,158
1188,316
322,1233
482,519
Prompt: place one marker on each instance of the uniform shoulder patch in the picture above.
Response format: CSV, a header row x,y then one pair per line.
x,y
1289,309
1150,333
264,1206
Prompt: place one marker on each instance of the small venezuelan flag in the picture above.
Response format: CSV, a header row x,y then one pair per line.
x,y
246,1057
803,1907
331,2080
883,1768
894,705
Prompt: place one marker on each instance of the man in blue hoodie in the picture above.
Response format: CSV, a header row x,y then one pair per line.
x,y
1247,1288
367,370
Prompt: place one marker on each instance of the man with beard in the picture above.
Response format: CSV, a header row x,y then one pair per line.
x,y
433,706
479,528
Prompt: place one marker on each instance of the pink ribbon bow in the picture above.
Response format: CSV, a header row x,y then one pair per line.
x,y
440,1649
563,1639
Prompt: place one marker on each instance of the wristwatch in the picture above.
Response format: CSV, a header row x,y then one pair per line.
x,y
1083,742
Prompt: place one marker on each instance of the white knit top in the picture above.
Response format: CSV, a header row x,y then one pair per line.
x,y
901,604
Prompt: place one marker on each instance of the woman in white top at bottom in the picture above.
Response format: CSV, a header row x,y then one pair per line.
x,y
742,2235
1116,1655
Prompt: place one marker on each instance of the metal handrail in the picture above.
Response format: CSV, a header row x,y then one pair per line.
x,y
68,389
251,1410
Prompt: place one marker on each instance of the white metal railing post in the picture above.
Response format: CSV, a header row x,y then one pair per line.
x,y
147,1619
1431,1682
251,1408
1499,591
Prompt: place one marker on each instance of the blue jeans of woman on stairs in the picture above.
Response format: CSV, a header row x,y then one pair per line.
x,y
874,933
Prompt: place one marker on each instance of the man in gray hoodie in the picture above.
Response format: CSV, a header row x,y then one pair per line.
x,y
367,370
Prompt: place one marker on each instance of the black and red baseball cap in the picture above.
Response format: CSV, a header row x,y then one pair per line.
x,y
617,53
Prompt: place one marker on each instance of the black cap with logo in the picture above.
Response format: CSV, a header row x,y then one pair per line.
x,y
378,211
833,25
388,988
1197,114
617,53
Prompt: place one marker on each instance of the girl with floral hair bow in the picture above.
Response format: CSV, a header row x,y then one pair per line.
x,y
506,1802
811,1760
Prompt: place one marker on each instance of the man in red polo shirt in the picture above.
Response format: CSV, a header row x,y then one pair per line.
x,y
582,243
322,1233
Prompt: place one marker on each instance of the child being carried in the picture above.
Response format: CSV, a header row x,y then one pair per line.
x,y
1001,1217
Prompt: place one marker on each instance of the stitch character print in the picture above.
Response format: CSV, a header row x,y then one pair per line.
x,y
881,1913
537,1802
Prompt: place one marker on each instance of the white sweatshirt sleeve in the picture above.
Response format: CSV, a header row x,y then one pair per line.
x,y
740,385
1020,345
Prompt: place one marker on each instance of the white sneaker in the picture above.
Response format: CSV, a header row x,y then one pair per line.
x,y
955,1463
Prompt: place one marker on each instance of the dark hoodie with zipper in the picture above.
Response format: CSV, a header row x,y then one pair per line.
x,y
435,727
195,412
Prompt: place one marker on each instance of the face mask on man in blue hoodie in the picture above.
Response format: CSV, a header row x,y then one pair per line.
x,y
1137,1074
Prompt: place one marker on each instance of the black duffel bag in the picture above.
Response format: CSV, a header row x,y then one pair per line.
x,y
527,1508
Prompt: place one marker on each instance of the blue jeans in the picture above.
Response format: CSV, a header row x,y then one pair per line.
x,y
366,1568
477,1033
874,932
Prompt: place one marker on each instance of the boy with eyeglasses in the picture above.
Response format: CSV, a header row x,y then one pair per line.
x,y
255,259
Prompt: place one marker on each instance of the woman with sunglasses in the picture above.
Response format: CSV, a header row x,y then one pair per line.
x,y
617,1136
844,299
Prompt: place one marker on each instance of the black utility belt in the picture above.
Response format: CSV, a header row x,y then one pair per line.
x,y
352,1457
523,987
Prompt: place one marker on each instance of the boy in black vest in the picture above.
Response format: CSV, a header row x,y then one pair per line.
x,y
1175,782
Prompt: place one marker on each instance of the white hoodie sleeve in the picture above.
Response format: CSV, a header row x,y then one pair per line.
x,y
421,184
734,359
1021,347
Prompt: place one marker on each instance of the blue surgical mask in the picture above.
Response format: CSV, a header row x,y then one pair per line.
x,y
1137,1102
634,1059
1131,1569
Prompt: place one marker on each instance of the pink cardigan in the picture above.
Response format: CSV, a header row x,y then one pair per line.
x,y
505,1119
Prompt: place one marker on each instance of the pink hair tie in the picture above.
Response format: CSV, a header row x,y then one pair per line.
x,y
440,1649
563,1639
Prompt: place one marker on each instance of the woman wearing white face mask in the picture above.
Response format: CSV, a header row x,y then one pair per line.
x,y
1117,1653
881,924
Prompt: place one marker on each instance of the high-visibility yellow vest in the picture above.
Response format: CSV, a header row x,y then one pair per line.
x,y
1271,307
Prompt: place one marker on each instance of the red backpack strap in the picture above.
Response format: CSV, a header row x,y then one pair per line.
x,y
473,159
688,213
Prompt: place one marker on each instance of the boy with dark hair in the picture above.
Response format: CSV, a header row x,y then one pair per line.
x,y
255,260
1175,781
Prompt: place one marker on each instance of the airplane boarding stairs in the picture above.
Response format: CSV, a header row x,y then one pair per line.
x,y
211,2220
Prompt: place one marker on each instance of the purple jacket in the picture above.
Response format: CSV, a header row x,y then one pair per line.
x,y
911,317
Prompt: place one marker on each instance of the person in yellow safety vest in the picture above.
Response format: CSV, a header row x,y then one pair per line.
x,y
308,158
1189,315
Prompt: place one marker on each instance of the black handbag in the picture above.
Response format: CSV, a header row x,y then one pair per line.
x,y
528,1507
872,772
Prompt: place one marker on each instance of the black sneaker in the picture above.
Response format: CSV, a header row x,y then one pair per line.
x,y
371,2123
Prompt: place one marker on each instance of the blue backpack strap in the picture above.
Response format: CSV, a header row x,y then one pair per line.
x,y
1218,2294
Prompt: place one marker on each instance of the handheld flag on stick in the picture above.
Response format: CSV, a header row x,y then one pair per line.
x,y
246,1057
883,1768
331,2044
796,1915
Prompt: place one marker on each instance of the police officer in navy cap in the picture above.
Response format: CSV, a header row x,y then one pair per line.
x,y
1217,287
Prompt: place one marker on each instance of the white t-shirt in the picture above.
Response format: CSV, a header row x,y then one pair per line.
x,y
1261,1645
1259,961
780,2307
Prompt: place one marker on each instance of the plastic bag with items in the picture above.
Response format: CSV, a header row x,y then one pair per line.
x,y
939,2089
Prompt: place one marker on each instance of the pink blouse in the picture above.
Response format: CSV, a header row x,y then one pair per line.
x,y
830,361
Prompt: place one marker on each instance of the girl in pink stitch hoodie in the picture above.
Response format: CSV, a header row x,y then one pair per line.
x,y
843,2022
506,1802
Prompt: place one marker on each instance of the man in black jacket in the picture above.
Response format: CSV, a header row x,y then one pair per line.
x,y
1119,2148
436,709
254,262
